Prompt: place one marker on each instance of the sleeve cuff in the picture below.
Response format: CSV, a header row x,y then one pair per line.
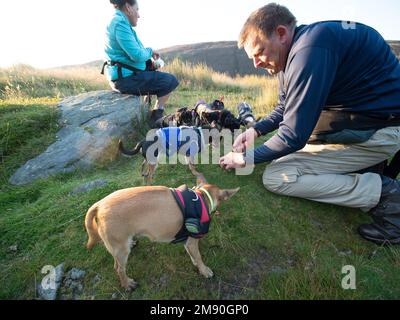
x,y
249,158
260,128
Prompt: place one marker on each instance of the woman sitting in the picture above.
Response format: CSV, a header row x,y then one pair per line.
x,y
129,67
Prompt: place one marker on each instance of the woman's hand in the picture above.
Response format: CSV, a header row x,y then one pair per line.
x,y
245,141
155,55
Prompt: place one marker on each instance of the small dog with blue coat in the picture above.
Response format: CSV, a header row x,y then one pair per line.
x,y
187,141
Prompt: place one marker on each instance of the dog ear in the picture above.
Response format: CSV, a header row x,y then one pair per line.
x,y
201,181
227,194
181,110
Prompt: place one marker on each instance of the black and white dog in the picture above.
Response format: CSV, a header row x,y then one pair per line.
x,y
209,116
187,141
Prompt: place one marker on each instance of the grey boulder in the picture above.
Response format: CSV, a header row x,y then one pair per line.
x,y
92,123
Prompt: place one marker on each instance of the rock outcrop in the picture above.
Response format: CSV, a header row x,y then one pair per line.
x,y
92,123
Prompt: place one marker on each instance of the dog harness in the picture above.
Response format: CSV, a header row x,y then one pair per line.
x,y
196,214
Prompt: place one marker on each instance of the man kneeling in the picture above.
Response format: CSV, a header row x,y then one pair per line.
x,y
338,114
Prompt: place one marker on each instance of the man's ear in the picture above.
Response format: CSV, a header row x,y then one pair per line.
x,y
282,33
227,194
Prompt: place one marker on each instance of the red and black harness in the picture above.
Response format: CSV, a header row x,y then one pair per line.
x,y
196,214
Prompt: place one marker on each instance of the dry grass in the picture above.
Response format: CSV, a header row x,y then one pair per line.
x,y
23,83
200,77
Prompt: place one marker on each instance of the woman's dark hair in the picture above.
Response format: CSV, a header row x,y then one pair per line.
x,y
120,3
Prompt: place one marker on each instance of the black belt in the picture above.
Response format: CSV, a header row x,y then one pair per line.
x,y
335,121
331,122
120,65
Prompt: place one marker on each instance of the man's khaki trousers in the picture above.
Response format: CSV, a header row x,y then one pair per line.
x,y
323,173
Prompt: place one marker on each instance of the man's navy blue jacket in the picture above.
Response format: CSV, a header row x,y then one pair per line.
x,y
331,65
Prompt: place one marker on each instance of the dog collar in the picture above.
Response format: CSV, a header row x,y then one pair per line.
x,y
212,204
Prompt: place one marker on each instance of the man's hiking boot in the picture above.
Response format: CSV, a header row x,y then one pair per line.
x,y
386,215
381,234
155,117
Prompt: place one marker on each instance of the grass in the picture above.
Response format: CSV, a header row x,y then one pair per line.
x,y
24,82
263,246
200,81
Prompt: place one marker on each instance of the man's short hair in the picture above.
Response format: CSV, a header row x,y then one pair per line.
x,y
265,20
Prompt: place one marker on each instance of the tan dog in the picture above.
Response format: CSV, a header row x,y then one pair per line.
x,y
150,212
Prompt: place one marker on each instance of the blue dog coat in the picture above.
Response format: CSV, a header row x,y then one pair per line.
x,y
174,138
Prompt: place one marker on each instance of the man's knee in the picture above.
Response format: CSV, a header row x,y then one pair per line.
x,y
277,177
272,180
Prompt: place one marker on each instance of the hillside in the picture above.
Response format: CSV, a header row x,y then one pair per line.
x,y
395,47
222,57
225,56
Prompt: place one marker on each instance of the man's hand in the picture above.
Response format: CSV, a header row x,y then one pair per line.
x,y
232,160
245,140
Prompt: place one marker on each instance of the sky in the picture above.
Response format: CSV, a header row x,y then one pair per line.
x,y
50,33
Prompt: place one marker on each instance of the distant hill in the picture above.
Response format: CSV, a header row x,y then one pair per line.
x,y
223,57
395,47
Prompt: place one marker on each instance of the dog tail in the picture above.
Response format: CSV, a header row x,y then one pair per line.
x,y
91,227
130,153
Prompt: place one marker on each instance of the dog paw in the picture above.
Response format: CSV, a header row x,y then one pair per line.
x,y
207,272
131,285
